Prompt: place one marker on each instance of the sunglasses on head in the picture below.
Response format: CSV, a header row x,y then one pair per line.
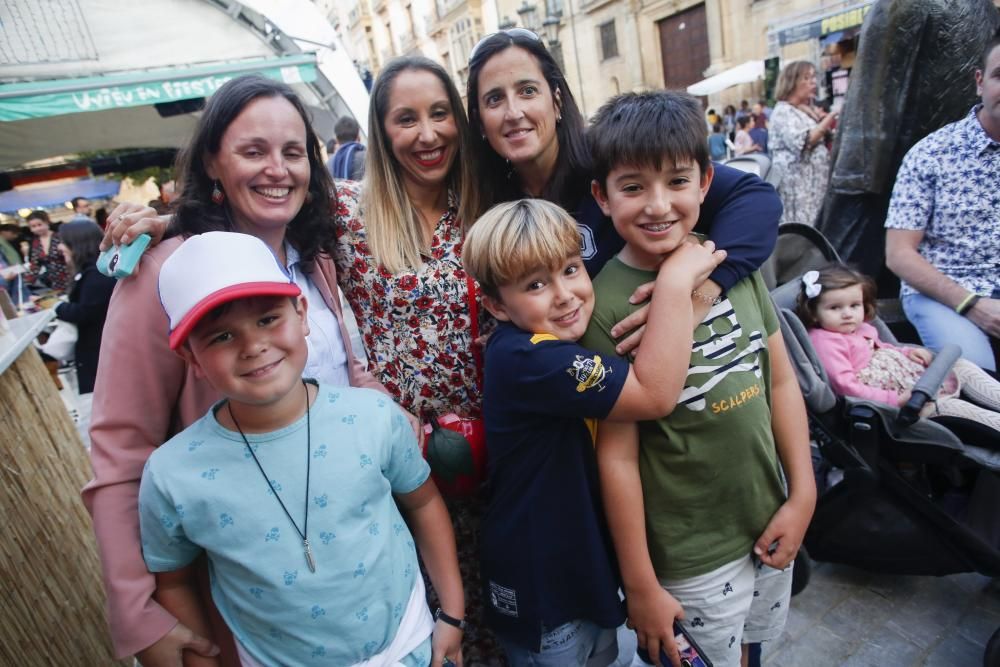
x,y
510,32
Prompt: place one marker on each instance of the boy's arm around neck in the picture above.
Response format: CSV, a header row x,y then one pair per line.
x,y
741,214
791,438
656,379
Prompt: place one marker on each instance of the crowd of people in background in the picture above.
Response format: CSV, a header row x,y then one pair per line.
x,y
738,131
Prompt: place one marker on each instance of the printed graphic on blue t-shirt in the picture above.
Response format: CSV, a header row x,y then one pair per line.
x,y
202,490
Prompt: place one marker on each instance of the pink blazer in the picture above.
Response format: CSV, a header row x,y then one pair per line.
x,y
843,355
145,394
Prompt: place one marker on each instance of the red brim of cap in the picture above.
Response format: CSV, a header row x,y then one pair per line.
x,y
216,299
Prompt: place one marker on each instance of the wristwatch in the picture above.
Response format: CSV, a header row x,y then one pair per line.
x,y
450,620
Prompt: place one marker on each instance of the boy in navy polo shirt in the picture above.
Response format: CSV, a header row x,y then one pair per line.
x,y
549,571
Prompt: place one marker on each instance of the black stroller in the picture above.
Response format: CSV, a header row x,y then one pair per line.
x,y
945,519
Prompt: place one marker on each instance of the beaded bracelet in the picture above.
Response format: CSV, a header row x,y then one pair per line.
x,y
707,298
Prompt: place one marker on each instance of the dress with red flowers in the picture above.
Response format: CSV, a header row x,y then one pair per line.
x,y
415,324
416,329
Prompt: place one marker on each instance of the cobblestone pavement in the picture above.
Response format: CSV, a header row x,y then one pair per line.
x,y
850,618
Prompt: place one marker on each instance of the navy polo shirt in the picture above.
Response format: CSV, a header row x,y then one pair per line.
x,y
547,556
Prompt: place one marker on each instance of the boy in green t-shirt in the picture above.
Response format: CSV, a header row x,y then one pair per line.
x,y
718,533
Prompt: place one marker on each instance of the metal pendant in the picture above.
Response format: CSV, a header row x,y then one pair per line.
x,y
309,556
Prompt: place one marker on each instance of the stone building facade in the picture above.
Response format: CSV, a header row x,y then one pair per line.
x,y
611,46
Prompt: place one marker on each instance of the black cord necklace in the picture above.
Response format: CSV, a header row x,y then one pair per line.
x,y
304,533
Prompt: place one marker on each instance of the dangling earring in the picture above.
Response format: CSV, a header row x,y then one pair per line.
x,y
558,118
218,196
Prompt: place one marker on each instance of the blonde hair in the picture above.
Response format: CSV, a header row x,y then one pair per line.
x,y
392,223
790,76
515,238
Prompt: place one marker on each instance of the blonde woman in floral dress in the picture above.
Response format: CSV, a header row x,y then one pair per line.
x,y
398,256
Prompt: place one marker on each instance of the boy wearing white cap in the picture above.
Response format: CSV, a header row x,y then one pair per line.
x,y
288,486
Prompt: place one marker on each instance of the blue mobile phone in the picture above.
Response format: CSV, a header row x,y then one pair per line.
x,y
691,653
120,261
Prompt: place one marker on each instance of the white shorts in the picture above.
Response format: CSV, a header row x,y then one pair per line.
x,y
742,602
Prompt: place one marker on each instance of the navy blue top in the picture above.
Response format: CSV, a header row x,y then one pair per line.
x,y
547,556
759,136
348,162
89,298
740,214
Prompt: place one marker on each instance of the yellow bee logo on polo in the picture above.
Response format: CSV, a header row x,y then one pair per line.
x,y
589,372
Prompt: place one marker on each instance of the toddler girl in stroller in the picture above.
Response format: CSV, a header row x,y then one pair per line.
x,y
836,304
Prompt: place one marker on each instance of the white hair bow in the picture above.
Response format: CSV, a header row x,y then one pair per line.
x,y
812,287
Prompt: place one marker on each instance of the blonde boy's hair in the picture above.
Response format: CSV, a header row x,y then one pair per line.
x,y
515,238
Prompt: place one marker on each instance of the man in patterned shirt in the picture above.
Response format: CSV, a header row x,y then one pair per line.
x,y
943,226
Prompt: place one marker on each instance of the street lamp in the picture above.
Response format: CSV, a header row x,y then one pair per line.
x,y
527,14
549,30
550,27
507,23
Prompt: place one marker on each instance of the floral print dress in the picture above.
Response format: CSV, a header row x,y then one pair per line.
x,y
415,325
804,171
416,329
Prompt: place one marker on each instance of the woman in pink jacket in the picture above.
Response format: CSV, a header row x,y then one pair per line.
x,y
836,304
254,165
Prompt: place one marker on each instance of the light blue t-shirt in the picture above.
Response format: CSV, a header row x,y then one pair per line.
x,y
202,490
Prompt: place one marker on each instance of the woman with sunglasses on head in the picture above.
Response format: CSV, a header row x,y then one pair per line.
x,y
530,140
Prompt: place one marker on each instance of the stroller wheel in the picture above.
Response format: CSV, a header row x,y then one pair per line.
x,y
991,658
802,572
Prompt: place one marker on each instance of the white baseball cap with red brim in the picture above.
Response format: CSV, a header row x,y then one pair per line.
x,y
214,268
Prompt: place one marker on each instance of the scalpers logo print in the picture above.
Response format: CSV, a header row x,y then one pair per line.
x,y
589,373
718,339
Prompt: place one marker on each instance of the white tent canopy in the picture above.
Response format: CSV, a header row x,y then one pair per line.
x,y
751,70
140,39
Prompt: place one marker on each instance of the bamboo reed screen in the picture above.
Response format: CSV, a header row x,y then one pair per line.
x,y
52,610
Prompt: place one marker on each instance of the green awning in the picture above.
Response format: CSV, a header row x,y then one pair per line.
x,y
56,97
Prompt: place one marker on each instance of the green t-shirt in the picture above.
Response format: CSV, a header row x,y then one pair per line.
x,y
711,478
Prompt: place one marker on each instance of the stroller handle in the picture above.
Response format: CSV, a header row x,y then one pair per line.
x,y
928,385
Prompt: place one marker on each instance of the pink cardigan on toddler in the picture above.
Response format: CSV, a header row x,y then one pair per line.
x,y
843,355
